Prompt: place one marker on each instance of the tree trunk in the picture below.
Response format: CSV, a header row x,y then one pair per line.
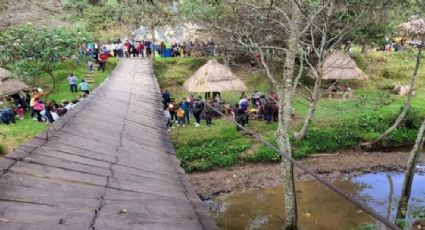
x,y
410,173
285,112
312,108
364,47
406,107
53,83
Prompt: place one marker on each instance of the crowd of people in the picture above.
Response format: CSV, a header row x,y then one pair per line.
x,y
180,113
145,48
259,107
14,107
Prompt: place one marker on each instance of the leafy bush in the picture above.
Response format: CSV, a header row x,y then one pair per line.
x,y
212,153
413,119
400,136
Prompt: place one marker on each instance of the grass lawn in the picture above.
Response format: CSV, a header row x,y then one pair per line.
x,y
338,124
16,134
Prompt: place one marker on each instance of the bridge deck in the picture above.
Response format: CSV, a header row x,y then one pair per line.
x,y
108,164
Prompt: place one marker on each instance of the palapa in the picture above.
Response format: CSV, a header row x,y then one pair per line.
x,y
340,66
9,85
214,77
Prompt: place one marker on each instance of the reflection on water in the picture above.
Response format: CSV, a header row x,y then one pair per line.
x,y
318,207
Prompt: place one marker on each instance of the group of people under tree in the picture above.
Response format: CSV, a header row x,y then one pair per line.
x,y
264,108
35,101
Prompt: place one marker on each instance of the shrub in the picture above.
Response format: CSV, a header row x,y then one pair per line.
x,y
212,153
400,136
413,119
264,154
2,150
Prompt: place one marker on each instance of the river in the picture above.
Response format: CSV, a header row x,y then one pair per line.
x,y
319,207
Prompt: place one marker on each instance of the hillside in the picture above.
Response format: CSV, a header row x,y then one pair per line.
x,y
38,12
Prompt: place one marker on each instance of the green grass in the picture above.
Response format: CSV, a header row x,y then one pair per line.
x,y
338,124
202,148
16,134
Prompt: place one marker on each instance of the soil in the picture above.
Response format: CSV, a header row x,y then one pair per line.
x,y
258,176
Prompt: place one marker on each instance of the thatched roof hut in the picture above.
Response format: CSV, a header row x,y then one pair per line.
x,y
214,77
340,66
9,85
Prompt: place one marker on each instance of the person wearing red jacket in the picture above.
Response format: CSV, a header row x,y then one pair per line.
x,y
102,61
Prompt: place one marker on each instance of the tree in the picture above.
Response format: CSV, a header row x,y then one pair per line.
x,y
414,27
107,19
326,34
32,52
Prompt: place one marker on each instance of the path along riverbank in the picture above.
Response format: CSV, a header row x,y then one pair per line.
x,y
249,177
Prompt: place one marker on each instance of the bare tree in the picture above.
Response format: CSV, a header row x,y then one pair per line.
x,y
410,173
326,34
414,27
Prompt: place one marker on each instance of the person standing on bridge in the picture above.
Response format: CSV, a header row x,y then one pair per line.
x,y
72,80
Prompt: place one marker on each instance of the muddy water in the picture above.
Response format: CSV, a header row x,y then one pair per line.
x,y
318,207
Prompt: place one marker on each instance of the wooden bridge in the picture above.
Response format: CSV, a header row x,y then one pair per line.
x,y
108,164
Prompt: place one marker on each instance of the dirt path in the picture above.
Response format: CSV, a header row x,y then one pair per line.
x,y
256,176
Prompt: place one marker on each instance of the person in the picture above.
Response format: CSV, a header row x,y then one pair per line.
x,y
168,117
90,65
37,108
7,116
102,62
166,97
268,111
140,49
186,107
119,46
48,109
198,107
126,49
239,116
162,49
181,117
243,103
148,48
61,110
84,87
173,107
72,80
114,48
209,112
35,94
20,111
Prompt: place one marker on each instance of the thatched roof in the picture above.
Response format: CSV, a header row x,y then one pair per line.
x,y
9,85
340,66
214,77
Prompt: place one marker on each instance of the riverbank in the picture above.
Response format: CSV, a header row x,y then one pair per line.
x,y
248,177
